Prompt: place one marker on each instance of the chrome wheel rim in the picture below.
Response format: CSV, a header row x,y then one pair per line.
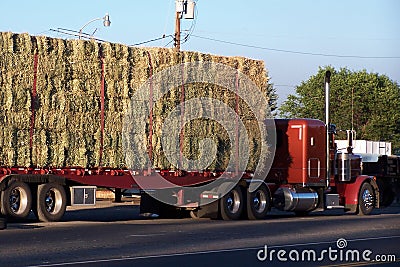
x,y
53,201
18,200
233,202
368,199
259,201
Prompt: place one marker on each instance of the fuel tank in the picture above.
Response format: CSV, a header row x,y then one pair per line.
x,y
291,199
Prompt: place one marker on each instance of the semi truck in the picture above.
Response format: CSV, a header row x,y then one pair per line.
x,y
308,173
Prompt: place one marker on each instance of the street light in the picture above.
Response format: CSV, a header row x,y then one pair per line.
x,y
106,23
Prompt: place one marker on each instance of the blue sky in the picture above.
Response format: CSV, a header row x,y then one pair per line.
x,y
361,28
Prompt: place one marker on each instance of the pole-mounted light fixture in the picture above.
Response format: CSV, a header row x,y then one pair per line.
x,y
106,23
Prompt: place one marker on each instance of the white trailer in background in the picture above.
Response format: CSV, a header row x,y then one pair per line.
x,y
378,161
367,147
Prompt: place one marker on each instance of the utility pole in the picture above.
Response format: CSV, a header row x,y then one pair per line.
x,y
177,36
183,9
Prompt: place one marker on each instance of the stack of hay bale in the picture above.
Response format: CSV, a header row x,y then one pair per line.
x,y
66,110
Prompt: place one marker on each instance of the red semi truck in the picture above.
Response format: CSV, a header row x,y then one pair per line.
x,y
307,174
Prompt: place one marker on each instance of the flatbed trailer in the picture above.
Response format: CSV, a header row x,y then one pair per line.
x,y
307,174
18,185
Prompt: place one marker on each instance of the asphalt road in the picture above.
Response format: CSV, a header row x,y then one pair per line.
x,y
114,235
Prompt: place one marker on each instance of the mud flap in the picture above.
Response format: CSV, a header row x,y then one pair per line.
x,y
377,193
209,205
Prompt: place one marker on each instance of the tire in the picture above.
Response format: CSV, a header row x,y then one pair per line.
x,y
51,202
16,200
258,203
2,209
366,199
231,205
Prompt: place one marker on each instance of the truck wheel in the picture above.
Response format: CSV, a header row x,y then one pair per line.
x,y
258,203
232,204
366,199
51,202
16,200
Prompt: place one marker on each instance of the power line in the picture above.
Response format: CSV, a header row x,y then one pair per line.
x,y
153,40
295,52
168,17
173,39
192,26
75,33
284,85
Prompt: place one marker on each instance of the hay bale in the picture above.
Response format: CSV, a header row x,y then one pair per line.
x,y
67,110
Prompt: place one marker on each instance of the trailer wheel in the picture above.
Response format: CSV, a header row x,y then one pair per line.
x,y
258,203
366,199
51,202
232,204
16,200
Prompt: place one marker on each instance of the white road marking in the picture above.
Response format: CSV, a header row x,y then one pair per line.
x,y
146,235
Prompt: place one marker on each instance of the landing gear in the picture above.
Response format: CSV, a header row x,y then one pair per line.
x,y
194,214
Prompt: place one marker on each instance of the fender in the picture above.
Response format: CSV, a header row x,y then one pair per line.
x,y
350,191
272,187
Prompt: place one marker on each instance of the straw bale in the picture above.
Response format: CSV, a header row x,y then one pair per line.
x,y
67,108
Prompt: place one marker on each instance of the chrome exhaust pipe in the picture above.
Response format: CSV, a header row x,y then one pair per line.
x,y
327,89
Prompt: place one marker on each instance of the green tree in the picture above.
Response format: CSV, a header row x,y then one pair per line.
x,y
272,98
366,102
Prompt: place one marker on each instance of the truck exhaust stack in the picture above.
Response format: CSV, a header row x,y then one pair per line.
x,y
327,83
